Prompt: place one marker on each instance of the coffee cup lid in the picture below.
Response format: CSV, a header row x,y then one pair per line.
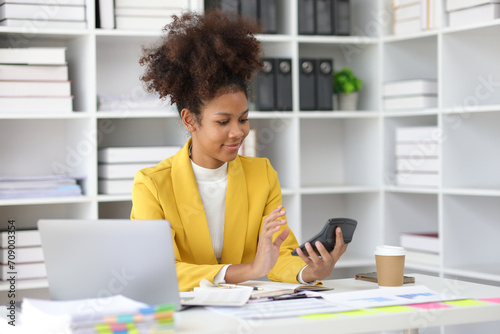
x,y
389,250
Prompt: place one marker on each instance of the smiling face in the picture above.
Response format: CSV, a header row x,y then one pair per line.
x,y
218,134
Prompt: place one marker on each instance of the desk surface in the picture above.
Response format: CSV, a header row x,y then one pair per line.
x,y
201,320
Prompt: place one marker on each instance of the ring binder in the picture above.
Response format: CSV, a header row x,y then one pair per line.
x,y
324,17
324,87
283,84
306,17
307,87
266,86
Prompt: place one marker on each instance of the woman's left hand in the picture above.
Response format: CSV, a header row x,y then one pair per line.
x,y
321,267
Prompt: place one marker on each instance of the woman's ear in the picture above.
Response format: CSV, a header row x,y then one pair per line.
x,y
188,119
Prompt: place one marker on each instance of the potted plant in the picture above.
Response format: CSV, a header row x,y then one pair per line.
x,y
346,85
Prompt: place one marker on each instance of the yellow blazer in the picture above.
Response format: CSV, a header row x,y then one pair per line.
x,y
169,191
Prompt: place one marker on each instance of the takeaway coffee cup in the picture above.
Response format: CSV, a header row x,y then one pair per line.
x,y
390,261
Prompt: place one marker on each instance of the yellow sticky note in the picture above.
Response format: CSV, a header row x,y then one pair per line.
x,y
358,313
393,309
319,316
465,302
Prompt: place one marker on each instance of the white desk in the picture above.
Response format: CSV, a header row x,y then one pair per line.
x,y
201,320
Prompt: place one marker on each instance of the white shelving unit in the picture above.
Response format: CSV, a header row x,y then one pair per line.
x,y
330,163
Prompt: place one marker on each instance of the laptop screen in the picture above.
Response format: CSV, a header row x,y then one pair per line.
x,y
106,257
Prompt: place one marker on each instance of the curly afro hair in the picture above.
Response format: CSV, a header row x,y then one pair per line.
x,y
201,56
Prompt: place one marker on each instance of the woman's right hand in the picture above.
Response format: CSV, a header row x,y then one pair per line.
x,y
267,250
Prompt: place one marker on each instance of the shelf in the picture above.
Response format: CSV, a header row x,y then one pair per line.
x,y
315,39
487,272
136,114
114,198
270,114
26,284
472,192
338,114
46,33
72,115
411,190
412,36
45,200
344,189
411,113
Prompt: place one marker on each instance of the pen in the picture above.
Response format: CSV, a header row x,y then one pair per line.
x,y
233,286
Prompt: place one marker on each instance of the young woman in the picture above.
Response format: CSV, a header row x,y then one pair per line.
x,y
227,219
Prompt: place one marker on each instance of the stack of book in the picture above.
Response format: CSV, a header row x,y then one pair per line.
x,y
34,80
124,103
410,94
115,314
417,156
139,14
118,165
412,16
21,255
39,186
462,12
39,14
422,248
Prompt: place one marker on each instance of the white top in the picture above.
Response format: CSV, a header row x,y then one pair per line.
x,y
212,185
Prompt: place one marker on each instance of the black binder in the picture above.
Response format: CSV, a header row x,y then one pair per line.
x,y
341,17
324,17
250,9
283,84
225,5
265,86
324,84
306,17
307,84
268,16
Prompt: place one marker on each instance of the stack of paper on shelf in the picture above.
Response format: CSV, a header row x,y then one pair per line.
x,y
421,247
118,165
115,314
39,14
417,156
124,103
21,255
39,186
463,12
410,94
34,80
147,14
412,16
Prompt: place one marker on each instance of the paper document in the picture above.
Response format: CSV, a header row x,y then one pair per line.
x,y
389,297
282,308
216,296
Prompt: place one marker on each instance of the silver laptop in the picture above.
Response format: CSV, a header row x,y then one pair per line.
x,y
100,258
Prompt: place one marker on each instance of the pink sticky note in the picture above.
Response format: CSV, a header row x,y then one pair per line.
x,y
491,300
430,306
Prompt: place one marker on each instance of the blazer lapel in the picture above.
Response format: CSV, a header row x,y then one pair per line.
x,y
190,208
236,214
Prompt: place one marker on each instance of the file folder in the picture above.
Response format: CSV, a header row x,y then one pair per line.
x,y
283,84
265,86
342,17
225,5
324,84
268,16
307,84
306,17
250,9
324,17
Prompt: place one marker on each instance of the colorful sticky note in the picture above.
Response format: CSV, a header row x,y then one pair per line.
x,y
393,309
357,313
491,300
319,316
465,302
430,306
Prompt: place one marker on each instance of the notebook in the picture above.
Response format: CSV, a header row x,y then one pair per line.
x,y
107,257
